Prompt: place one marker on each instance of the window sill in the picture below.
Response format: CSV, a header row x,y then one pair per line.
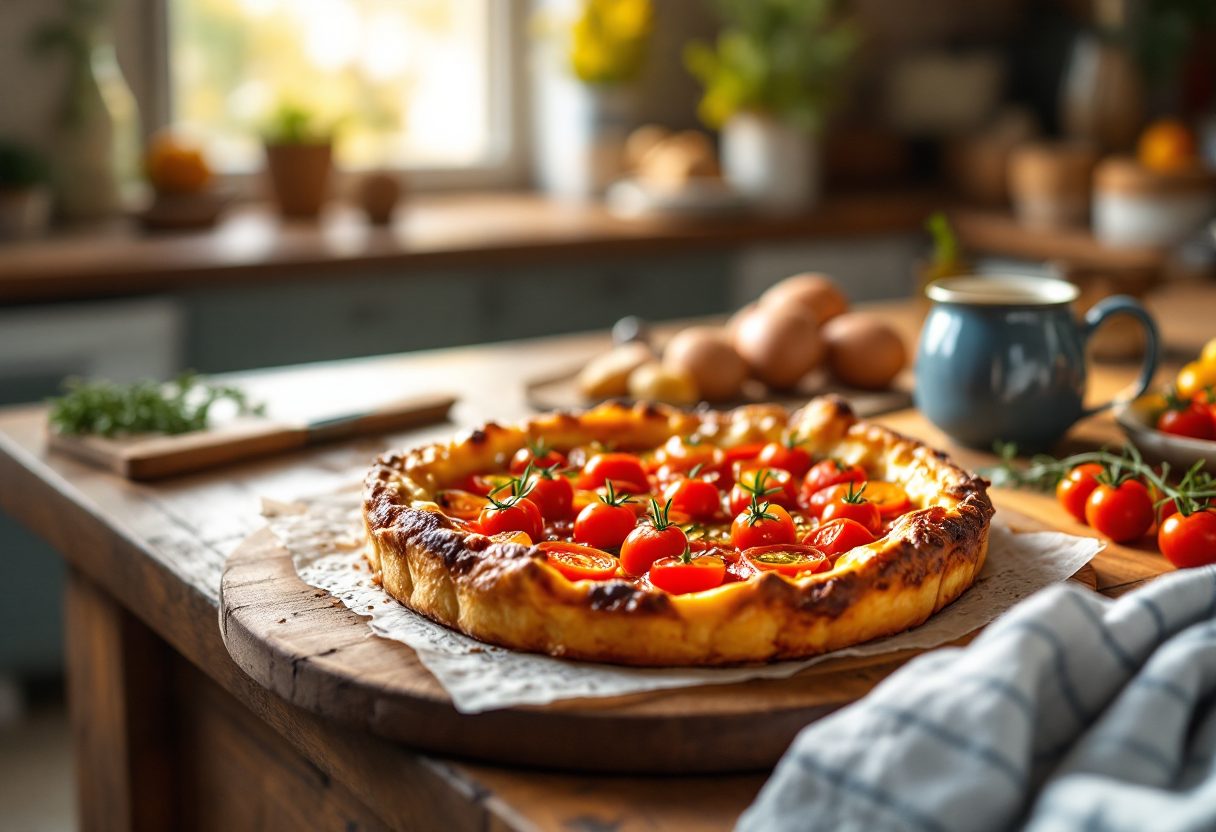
x,y
431,231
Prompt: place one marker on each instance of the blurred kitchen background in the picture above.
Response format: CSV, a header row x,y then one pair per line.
x,y
229,184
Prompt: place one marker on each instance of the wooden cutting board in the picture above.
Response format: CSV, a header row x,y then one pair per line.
x,y
307,647
150,457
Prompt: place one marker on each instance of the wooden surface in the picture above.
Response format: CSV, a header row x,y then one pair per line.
x,y
430,231
309,648
157,550
153,457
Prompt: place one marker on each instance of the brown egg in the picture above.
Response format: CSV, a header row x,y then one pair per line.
x,y
706,354
863,351
732,323
818,293
780,344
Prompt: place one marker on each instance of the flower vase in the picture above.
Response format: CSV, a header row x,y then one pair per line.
x,y
771,163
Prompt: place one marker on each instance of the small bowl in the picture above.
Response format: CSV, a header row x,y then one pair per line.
x,y
1137,421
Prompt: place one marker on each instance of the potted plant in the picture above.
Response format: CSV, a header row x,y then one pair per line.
x,y
299,157
586,93
25,195
776,69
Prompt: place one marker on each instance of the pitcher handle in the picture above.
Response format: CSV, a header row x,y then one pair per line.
x,y
1123,304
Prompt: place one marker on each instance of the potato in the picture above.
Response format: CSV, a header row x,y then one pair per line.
x,y
656,383
607,375
780,344
706,354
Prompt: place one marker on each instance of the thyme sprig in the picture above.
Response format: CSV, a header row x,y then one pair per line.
x,y
1194,492
105,408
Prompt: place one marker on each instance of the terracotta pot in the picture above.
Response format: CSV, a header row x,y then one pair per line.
x,y
299,175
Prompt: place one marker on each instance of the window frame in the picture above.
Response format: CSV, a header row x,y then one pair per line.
x,y
142,29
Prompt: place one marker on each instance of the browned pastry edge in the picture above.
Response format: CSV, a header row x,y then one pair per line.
x,y
507,594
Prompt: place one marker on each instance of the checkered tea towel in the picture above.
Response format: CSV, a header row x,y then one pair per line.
x,y
1071,712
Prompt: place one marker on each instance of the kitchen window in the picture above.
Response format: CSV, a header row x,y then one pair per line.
x,y
426,86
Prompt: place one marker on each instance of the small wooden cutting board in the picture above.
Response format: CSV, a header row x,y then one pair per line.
x,y
155,456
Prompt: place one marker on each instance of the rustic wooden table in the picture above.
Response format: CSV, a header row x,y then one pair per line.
x,y
170,734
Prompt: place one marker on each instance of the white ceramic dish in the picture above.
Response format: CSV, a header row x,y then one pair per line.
x,y
1181,453
633,199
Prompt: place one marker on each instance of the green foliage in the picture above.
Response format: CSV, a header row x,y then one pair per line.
x,y
21,167
295,124
107,409
1165,34
786,58
945,243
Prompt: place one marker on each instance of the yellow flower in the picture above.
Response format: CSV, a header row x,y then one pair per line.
x,y
608,41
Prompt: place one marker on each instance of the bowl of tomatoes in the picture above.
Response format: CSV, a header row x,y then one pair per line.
x,y
1178,426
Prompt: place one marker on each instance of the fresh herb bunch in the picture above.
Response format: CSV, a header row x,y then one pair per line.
x,y
107,409
1194,492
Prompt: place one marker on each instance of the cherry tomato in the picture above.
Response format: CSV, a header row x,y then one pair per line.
x,y
890,499
539,454
652,541
696,498
772,484
820,499
1189,541
579,563
828,473
605,523
787,455
624,470
552,493
1190,420
863,512
740,453
763,524
461,504
515,514
1121,513
1073,491
838,536
697,574
686,453
787,559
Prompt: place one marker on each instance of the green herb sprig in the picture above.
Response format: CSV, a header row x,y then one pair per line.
x,y
105,408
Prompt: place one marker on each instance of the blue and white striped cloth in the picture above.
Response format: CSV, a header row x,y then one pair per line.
x,y
1071,712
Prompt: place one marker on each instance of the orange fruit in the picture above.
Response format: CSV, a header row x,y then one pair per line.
x,y
174,166
1167,146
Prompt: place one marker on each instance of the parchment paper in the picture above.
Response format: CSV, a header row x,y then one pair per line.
x,y
326,539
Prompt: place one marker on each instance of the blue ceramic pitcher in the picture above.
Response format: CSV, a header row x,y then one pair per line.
x,y
1003,358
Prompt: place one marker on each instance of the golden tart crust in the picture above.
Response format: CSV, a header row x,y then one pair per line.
x,y
507,594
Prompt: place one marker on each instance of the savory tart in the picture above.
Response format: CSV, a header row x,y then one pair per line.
x,y
646,535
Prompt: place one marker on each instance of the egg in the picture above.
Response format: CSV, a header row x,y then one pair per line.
x,y
607,375
817,293
654,382
863,351
705,353
781,344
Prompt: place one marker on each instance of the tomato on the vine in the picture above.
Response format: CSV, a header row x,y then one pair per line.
x,y
1189,540
1121,510
652,541
854,506
820,499
625,471
605,523
838,536
772,484
788,455
828,473
762,524
538,454
1073,491
1187,419
552,493
685,453
687,573
789,559
694,497
578,563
